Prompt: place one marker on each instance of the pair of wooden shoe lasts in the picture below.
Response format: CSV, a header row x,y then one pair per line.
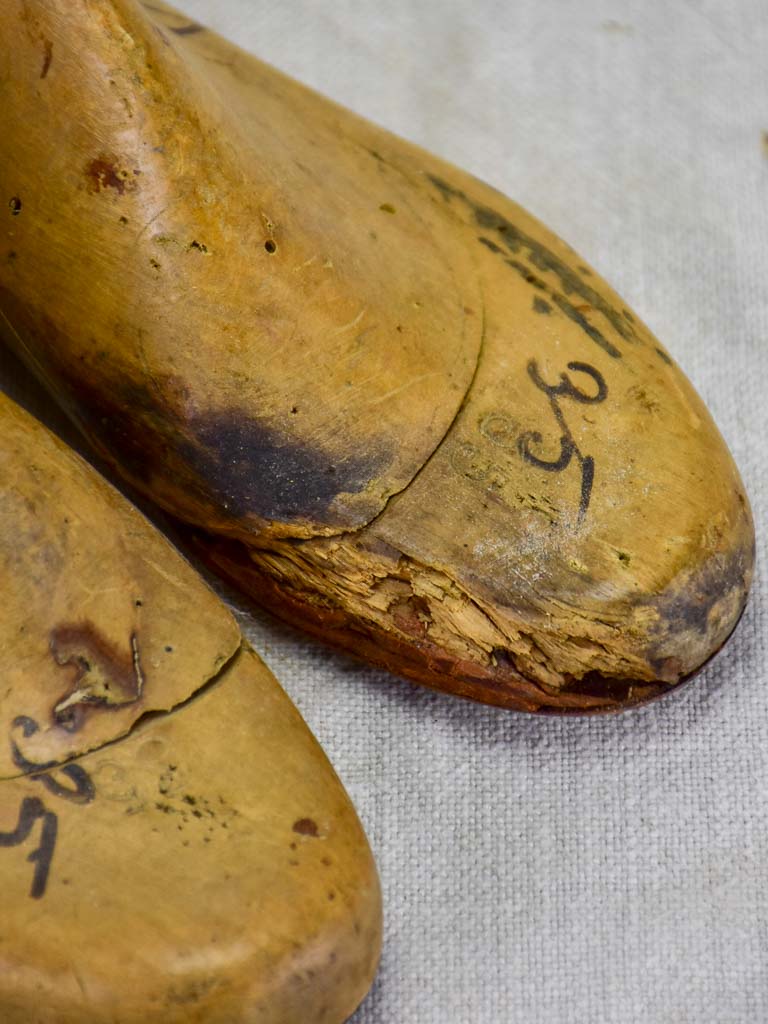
x,y
387,403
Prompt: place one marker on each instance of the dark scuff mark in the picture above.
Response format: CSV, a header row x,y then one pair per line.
x,y
104,172
104,676
249,466
689,606
126,423
720,586
541,306
191,29
306,827
663,355
130,424
47,57
517,242
225,462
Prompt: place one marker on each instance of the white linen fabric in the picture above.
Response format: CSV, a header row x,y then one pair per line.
x,y
552,871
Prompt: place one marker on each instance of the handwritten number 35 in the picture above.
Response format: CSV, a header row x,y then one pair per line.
x,y
568,446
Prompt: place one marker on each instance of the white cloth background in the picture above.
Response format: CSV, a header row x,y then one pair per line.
x,y
607,871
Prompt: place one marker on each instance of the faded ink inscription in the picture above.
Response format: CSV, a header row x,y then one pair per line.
x,y
73,784
33,809
569,449
546,271
558,286
552,453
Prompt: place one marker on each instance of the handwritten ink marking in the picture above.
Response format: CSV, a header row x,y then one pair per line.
x,y
568,446
33,809
81,791
563,286
504,432
533,253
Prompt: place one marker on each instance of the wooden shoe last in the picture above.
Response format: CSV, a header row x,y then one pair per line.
x,y
174,845
392,405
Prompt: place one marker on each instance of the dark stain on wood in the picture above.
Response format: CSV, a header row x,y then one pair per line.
x,y
306,827
104,172
47,57
103,676
690,605
226,462
248,466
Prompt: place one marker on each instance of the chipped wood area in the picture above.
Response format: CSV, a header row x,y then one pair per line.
x,y
419,622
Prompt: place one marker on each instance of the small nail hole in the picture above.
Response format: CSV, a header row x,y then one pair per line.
x,y
270,246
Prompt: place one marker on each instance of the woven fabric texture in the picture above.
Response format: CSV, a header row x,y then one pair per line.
x,y
608,871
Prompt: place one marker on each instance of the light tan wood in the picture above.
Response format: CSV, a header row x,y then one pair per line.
x,y
174,845
394,406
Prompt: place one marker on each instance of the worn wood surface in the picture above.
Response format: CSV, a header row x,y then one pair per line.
x,y
392,405
174,845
